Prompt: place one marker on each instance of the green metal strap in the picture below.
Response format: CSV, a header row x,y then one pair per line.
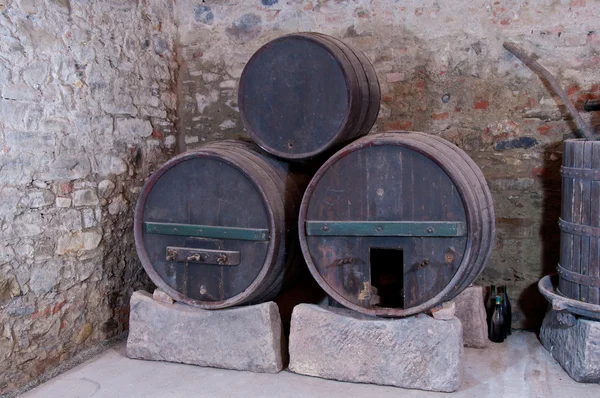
x,y
386,228
206,231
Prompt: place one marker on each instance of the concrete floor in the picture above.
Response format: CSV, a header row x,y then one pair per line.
x,y
520,367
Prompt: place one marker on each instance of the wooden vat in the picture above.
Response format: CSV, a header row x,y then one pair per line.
x,y
579,267
396,223
302,95
216,227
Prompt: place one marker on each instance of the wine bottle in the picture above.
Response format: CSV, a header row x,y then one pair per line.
x,y
497,327
503,308
507,312
489,305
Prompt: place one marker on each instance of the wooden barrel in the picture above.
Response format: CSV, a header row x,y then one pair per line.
x,y
579,267
303,94
217,226
396,223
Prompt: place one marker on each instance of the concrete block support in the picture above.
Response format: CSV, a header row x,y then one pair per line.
x,y
417,352
470,309
244,338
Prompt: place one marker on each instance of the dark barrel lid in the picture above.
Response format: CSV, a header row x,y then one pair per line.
x,y
295,96
204,228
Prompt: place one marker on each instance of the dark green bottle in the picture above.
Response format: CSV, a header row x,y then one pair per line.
x,y
503,308
489,305
497,326
507,311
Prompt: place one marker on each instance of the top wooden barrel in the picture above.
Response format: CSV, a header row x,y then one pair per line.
x,y
303,94
579,267
395,223
216,227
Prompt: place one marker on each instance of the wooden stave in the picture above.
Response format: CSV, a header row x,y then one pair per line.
x,y
372,90
483,195
272,283
364,87
285,180
481,217
465,274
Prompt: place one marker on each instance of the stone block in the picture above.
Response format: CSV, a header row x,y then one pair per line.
x,y
416,352
576,348
89,218
67,167
107,165
20,92
70,220
133,128
106,188
78,241
28,225
470,309
244,338
63,202
85,197
39,198
444,312
161,296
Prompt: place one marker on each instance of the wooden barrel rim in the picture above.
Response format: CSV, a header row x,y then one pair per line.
x,y
251,148
479,261
274,233
352,89
273,280
470,201
249,151
373,89
472,217
485,204
363,84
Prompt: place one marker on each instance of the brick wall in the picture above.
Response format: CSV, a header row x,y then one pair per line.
x,y
442,70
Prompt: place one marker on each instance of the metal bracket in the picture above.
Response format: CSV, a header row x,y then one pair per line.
x,y
578,229
578,278
206,231
386,228
203,256
584,174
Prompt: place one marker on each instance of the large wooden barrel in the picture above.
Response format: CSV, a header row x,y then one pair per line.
x,y
579,267
396,223
303,94
217,227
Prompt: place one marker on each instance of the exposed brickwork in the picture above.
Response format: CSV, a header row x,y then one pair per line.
x,y
498,110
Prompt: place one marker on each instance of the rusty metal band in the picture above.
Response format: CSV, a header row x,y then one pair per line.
x,y
203,256
206,231
584,174
386,228
575,277
579,229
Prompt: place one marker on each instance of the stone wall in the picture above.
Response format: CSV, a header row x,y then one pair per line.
x,y
442,70
87,108
90,92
